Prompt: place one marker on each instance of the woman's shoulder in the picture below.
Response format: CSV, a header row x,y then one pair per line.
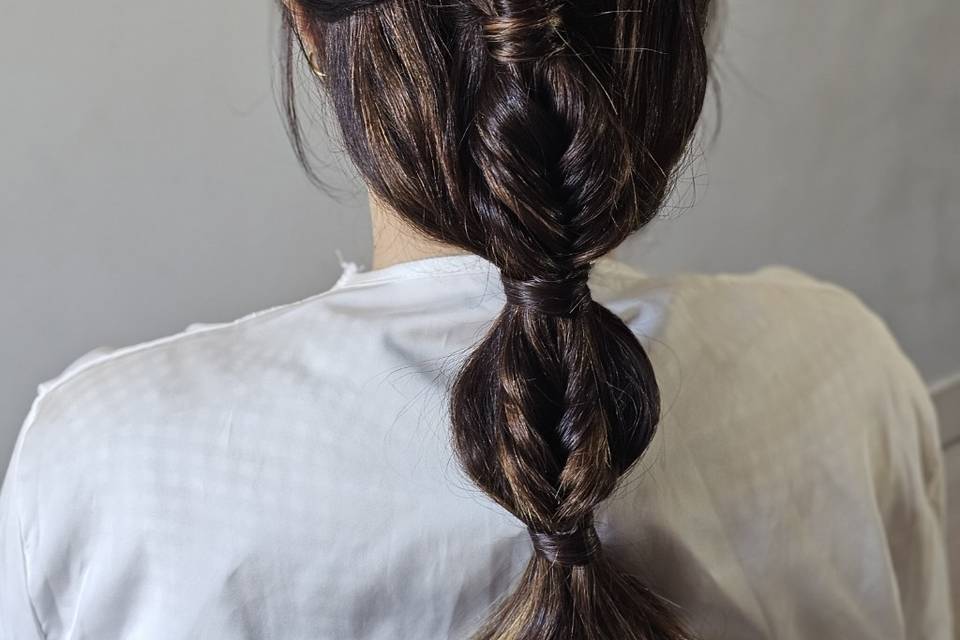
x,y
775,283
793,311
196,369
777,335
775,304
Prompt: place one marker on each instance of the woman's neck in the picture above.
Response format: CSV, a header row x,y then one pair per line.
x,y
395,242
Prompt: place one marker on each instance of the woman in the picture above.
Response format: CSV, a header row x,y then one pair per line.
x,y
450,445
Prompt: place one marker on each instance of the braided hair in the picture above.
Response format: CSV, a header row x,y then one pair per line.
x,y
538,134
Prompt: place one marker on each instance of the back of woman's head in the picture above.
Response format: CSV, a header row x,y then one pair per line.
x,y
538,134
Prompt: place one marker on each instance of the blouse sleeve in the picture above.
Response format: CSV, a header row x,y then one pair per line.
x,y
18,620
18,615
913,501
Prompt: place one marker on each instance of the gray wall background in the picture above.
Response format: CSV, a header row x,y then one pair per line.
x,y
146,183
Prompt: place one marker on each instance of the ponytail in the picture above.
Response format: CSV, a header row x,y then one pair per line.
x,y
538,134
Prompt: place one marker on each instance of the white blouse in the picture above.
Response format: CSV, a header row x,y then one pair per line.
x,y
288,475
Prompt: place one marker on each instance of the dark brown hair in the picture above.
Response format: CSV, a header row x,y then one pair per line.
x,y
538,134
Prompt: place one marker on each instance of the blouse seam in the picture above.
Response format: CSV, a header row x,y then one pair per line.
x,y
409,276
